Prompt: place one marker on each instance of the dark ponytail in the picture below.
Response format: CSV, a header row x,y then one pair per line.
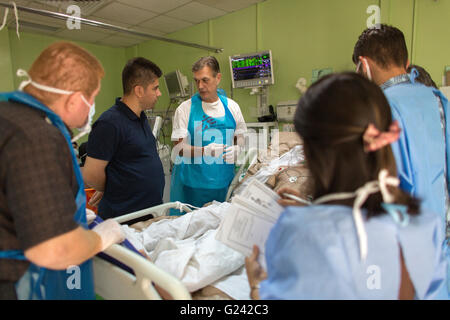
x,y
332,117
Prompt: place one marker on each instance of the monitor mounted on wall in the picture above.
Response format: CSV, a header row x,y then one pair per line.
x,y
252,69
176,84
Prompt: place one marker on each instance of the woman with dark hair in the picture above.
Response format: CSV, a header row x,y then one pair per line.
x,y
363,238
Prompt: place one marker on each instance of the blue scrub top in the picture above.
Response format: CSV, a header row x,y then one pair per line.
x,y
134,174
420,151
313,253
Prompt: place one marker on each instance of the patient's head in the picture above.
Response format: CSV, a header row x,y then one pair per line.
x,y
423,77
332,117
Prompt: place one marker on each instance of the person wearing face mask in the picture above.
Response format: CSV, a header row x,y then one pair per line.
x,y
208,137
422,151
43,223
122,162
362,237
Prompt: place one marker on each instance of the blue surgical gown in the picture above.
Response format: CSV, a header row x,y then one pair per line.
x,y
420,151
313,253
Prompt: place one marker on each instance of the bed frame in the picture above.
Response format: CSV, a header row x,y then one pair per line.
x,y
113,282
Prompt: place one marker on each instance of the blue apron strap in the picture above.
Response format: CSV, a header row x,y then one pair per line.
x,y
12,254
224,100
21,97
398,213
413,75
221,92
196,101
42,283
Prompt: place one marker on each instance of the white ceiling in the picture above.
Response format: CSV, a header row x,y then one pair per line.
x,y
155,17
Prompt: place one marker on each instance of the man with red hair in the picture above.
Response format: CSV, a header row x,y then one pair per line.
x,y
45,245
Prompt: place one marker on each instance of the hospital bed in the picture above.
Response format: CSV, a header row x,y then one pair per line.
x,y
117,283
249,158
137,280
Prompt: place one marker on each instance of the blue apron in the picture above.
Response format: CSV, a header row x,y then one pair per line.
x,y
205,172
41,283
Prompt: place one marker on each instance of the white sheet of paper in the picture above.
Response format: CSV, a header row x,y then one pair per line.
x,y
249,220
257,208
263,196
243,228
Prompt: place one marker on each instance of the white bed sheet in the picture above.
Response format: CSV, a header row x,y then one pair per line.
x,y
235,285
186,247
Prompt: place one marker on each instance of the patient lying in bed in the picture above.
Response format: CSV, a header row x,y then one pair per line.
x,y
186,248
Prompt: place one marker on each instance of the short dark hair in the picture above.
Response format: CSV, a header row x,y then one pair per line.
x,y
384,44
423,77
209,61
139,72
331,118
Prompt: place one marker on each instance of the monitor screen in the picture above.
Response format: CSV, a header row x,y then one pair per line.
x,y
252,70
173,83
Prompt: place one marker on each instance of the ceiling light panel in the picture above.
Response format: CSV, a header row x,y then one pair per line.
x,y
195,12
122,13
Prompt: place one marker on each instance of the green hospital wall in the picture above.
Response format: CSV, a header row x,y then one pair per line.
x,y
431,37
6,80
307,35
24,51
425,25
302,34
399,13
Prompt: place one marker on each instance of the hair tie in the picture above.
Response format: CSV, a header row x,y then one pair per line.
x,y
374,139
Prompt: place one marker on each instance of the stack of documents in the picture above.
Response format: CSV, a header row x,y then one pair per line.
x,y
252,215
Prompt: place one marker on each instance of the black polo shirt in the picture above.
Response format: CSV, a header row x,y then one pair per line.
x,y
134,174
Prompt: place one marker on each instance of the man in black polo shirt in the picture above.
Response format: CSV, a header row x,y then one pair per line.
x,y
122,160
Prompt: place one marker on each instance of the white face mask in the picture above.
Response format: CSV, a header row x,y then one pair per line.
x,y
366,64
86,128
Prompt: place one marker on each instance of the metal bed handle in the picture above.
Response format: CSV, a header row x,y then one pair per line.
x,y
156,211
146,272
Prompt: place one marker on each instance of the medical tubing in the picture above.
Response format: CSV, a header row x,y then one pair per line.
x,y
5,16
179,205
16,18
298,199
